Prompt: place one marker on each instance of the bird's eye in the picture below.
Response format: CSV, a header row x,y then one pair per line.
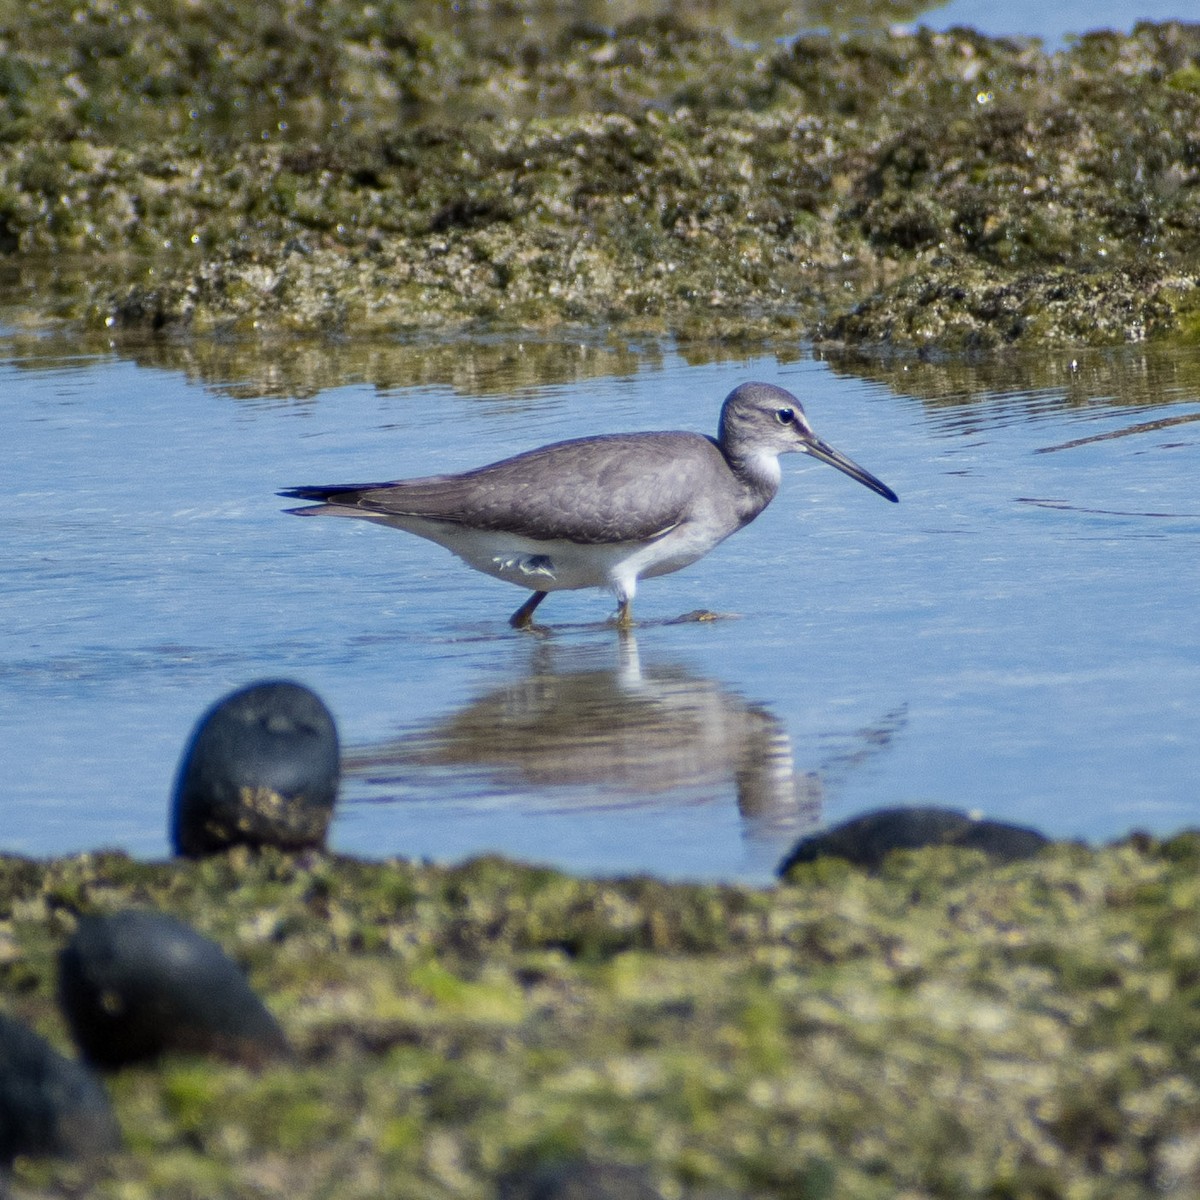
x,y
785,416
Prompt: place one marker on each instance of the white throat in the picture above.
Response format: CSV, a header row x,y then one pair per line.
x,y
763,469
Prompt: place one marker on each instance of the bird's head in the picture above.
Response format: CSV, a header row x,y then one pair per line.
x,y
760,421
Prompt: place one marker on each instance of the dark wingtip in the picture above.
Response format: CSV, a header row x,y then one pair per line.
x,y
304,493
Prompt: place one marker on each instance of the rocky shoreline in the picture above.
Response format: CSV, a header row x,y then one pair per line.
x,y
939,1027
325,171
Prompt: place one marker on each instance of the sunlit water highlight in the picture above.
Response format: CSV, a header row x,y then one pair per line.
x,y
1017,636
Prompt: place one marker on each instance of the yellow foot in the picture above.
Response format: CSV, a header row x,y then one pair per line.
x,y
624,618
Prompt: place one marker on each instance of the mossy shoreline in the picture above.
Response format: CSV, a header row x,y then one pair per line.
x,y
943,1028
334,169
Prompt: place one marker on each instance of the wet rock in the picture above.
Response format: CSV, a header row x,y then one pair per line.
x,y
261,769
135,985
50,1106
867,840
953,304
578,1181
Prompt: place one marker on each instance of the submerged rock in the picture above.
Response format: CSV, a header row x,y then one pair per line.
x,y
261,769
50,1106
867,840
136,985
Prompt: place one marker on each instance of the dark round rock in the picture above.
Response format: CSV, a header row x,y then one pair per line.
x,y
578,1180
50,1106
867,840
261,769
136,985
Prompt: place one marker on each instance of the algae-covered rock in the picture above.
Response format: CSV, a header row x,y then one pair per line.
x,y
929,1029
867,840
261,768
50,1106
662,172
956,305
137,985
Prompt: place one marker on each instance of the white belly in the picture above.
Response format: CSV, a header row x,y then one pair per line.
x,y
554,566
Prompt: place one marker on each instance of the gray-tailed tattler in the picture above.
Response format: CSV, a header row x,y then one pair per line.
x,y
600,511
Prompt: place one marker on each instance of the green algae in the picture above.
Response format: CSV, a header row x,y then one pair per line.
x,y
341,169
945,1028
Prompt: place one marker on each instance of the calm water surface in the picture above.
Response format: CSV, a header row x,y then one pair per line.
x,y
1054,21
1018,636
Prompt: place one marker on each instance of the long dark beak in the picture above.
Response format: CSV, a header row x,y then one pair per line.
x,y
835,458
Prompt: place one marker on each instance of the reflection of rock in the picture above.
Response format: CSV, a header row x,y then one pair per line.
x,y
493,371
655,735
964,393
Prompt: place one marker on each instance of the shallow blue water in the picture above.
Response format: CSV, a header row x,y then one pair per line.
x,y
1055,21
1018,636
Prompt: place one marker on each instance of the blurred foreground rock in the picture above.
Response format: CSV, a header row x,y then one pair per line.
x,y
50,1106
137,985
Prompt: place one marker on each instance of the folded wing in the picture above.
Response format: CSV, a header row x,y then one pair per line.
x,y
618,488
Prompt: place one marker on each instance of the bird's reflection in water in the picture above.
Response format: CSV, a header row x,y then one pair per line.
x,y
579,731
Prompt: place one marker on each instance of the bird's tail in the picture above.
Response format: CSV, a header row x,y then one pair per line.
x,y
331,493
334,499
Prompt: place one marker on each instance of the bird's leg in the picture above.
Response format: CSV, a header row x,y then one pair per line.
x,y
625,614
523,617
